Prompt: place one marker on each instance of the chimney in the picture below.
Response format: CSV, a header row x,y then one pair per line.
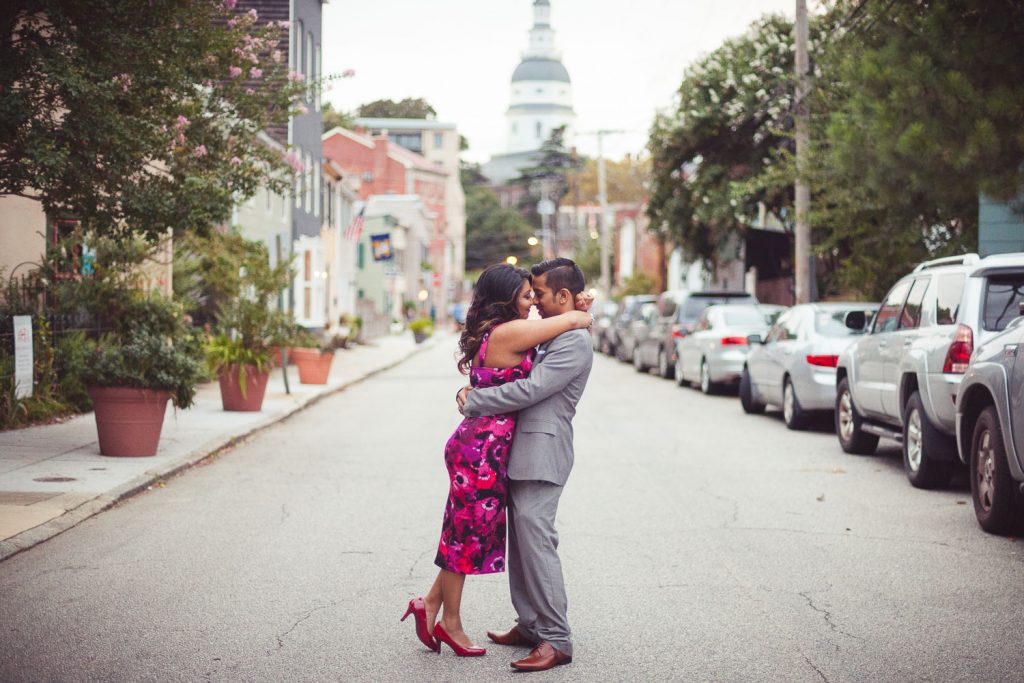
x,y
380,160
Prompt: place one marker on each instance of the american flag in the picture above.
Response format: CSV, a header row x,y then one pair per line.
x,y
355,228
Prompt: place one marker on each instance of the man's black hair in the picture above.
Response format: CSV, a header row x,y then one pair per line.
x,y
561,273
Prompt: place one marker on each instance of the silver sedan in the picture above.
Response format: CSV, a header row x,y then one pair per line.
x,y
713,354
794,365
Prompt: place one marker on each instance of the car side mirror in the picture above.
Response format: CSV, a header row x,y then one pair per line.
x,y
856,320
754,339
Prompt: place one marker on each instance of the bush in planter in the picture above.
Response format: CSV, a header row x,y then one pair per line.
x,y
156,350
132,372
421,328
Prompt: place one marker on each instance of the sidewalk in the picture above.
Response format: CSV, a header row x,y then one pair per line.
x,y
52,477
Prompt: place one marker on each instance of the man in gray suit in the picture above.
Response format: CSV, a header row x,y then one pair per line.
x,y
539,464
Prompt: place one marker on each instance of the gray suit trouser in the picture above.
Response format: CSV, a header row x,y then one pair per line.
x,y
534,570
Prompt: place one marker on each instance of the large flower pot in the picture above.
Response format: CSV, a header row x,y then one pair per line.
x,y
231,395
129,420
314,365
275,356
419,337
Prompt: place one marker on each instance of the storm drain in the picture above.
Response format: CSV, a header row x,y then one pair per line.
x,y
54,480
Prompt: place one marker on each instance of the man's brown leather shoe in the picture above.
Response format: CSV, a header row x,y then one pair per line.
x,y
512,637
542,658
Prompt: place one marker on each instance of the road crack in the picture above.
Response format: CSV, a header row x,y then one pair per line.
x,y
816,669
281,636
734,518
827,614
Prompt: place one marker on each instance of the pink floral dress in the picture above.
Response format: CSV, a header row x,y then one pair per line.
x,y
473,532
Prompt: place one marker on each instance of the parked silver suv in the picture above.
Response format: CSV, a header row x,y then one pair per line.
x,y
990,428
900,380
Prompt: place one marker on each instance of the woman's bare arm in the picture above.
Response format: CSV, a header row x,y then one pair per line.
x,y
519,336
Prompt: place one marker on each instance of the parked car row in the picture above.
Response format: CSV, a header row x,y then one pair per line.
x,y
935,366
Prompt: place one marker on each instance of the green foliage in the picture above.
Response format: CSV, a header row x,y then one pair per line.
x,y
140,116
729,126
73,355
227,282
408,108
146,359
333,118
638,283
422,325
916,111
493,233
223,352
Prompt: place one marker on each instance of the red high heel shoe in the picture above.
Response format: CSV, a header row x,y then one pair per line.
x,y
419,611
461,651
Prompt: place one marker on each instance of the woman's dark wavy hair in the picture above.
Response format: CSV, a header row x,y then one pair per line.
x,y
494,303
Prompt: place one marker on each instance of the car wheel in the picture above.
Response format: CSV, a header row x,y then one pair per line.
x,y
679,373
792,414
706,385
848,423
992,486
750,405
665,368
638,363
921,443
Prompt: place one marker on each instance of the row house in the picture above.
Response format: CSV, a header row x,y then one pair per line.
x,y
387,173
440,143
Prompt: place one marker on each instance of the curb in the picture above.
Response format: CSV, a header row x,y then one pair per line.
x,y
72,518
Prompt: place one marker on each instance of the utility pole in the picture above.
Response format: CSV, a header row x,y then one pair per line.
x,y
802,247
602,199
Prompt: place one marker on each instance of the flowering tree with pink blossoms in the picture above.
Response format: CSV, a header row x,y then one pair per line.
x,y
141,116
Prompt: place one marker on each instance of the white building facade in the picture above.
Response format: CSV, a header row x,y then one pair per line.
x,y
541,92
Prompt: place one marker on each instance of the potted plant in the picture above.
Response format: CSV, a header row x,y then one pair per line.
x,y
133,371
311,358
247,328
422,328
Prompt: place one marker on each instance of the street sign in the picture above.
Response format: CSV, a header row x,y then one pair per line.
x,y
22,356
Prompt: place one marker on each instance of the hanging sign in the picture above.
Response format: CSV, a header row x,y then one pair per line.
x,y
381,247
23,356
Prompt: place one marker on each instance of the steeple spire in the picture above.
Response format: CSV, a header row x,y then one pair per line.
x,y
542,36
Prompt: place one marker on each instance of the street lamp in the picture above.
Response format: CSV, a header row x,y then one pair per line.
x,y
512,260
532,241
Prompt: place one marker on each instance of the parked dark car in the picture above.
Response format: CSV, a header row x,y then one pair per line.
x,y
604,313
636,331
677,311
629,310
990,428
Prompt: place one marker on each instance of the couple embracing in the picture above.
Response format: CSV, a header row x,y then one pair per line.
x,y
510,457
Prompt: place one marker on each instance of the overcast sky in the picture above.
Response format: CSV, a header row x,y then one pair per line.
x,y
625,58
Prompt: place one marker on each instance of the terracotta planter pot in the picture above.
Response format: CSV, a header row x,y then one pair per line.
x,y
129,420
275,357
231,388
314,365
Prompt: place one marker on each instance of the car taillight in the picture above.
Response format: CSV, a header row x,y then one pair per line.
x,y
959,355
734,341
678,331
823,361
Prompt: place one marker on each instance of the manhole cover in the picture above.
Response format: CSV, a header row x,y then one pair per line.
x,y
54,480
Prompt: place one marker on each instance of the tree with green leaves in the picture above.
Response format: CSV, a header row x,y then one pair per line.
x,y
408,108
916,110
493,232
334,118
141,116
729,127
548,178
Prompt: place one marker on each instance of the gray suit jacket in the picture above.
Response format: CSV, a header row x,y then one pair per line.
x,y
546,401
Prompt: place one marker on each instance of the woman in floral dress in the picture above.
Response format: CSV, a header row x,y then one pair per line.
x,y
496,347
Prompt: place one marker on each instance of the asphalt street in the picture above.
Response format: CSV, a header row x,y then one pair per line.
x,y
699,544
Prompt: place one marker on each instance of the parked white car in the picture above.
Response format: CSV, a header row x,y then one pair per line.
x,y
712,356
794,366
900,380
